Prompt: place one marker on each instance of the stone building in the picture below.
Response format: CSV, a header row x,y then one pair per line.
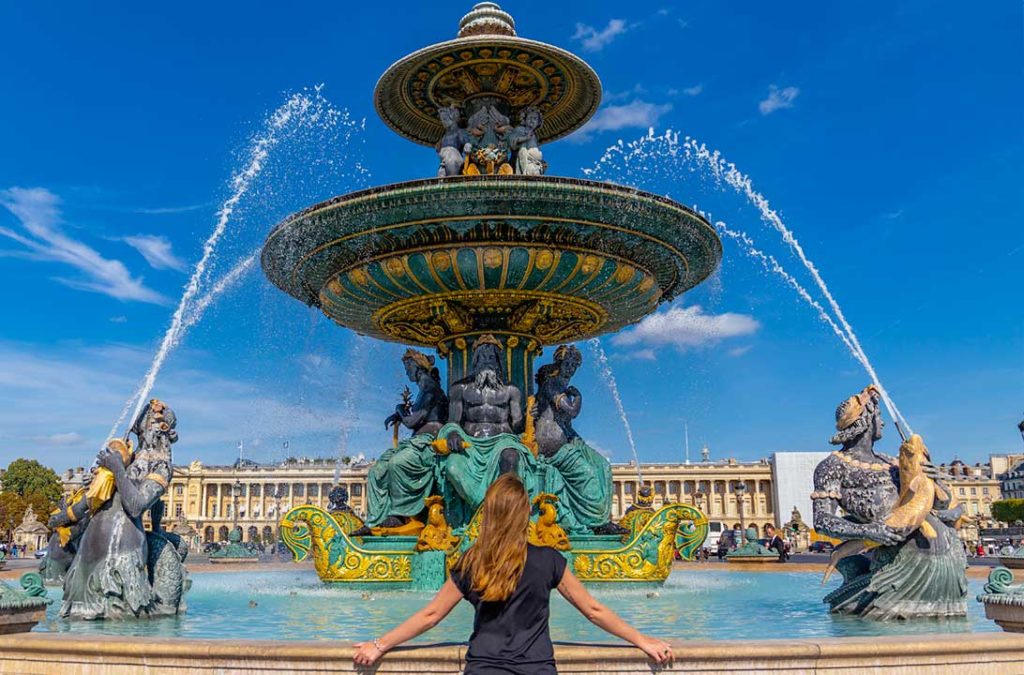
x,y
976,487
31,533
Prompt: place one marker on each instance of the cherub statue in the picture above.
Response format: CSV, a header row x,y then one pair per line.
x,y
522,140
454,143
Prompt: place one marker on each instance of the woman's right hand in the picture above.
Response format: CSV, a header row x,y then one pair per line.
x,y
659,650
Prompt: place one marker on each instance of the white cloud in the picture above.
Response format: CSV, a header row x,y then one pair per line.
x,y
38,210
119,319
739,351
778,99
157,252
637,114
686,327
594,40
69,438
695,90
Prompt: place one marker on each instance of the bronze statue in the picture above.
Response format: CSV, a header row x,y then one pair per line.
x,y
579,475
522,141
917,566
120,570
455,142
407,473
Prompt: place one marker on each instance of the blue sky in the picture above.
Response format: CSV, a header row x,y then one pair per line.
x,y
887,135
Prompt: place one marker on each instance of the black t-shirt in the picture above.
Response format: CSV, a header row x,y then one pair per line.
x,y
512,636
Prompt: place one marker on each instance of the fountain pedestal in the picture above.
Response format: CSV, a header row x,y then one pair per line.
x,y
21,610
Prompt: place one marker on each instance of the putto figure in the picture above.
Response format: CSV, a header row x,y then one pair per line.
x,y
120,570
522,140
408,473
579,476
485,416
455,142
902,510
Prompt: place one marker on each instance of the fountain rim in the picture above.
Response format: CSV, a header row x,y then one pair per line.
x,y
398,70
365,193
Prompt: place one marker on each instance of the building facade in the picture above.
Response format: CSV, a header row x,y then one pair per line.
x,y
207,501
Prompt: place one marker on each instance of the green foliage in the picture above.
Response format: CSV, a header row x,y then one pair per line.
x,y
1008,510
12,509
27,476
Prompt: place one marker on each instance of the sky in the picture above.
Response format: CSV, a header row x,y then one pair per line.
x,y
887,136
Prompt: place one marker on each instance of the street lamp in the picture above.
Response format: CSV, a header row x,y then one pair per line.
x,y
236,492
740,488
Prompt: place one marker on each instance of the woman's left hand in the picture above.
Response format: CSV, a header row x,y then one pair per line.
x,y
366,654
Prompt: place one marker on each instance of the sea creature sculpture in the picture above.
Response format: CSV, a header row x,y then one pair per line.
x,y
545,531
436,534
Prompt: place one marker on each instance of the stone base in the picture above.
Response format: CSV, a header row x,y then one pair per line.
x,y
968,654
225,559
20,620
1012,562
752,558
1009,617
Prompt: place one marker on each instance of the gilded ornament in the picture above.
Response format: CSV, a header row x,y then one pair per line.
x,y
357,276
544,259
624,273
395,266
441,261
545,531
492,258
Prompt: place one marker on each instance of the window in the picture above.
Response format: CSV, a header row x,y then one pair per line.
x,y
974,491
629,488
313,490
984,490
357,490
255,489
298,490
962,492
177,510
179,490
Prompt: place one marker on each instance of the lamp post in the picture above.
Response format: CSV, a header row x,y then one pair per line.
x,y
740,488
236,492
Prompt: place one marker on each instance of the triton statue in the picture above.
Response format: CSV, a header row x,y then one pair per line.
x,y
485,414
408,473
119,570
902,510
577,474
522,140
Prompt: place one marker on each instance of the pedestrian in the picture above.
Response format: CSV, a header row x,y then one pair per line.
x,y
723,546
509,582
776,543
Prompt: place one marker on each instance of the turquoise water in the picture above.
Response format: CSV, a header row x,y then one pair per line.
x,y
692,604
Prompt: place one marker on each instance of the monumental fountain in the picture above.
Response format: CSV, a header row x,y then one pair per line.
x,y
487,264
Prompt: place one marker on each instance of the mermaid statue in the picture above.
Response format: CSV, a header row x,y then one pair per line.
x,y
900,510
119,570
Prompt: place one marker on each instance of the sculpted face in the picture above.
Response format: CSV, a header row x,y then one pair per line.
x,y
412,370
449,116
487,357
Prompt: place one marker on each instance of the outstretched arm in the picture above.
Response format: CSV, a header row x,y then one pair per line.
x,y
607,620
825,502
367,653
136,500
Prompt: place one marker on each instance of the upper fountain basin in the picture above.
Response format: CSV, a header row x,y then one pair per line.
x,y
550,259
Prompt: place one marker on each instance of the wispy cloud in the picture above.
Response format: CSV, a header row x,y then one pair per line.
x,y
157,252
695,90
38,211
633,115
686,327
68,438
893,215
162,210
594,40
778,99
739,351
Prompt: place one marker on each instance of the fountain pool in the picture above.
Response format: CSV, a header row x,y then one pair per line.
x,y
692,605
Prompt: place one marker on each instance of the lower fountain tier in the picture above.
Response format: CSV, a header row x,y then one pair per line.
x,y
547,260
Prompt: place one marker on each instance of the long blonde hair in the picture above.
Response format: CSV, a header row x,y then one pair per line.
x,y
496,560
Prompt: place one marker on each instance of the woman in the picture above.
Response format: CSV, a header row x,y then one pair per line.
x,y
509,582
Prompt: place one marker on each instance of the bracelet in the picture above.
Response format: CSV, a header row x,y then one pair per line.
x,y
376,644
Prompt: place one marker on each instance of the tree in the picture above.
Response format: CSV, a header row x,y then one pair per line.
x,y
12,510
25,476
1008,510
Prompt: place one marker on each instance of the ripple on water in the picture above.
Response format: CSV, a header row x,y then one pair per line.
x,y
295,605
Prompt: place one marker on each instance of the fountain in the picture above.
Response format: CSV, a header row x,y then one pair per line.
x,y
487,264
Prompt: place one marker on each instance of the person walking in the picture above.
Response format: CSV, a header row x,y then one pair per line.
x,y
509,582
776,543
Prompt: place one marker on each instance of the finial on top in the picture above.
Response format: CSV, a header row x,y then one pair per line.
x,y
487,18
